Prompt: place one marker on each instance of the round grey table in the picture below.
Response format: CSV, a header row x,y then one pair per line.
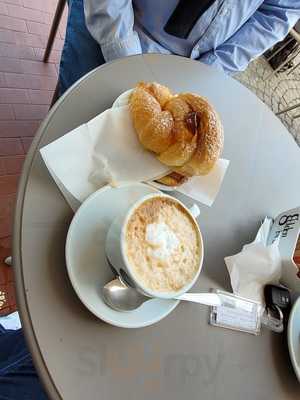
x,y
181,357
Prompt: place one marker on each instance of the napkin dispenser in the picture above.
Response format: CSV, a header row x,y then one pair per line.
x,y
286,229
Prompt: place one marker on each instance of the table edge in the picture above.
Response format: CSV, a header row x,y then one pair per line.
x,y
23,308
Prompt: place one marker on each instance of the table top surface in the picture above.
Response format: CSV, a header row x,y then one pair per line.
x,y
79,356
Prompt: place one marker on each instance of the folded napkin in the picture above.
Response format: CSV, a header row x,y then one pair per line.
x,y
106,150
255,266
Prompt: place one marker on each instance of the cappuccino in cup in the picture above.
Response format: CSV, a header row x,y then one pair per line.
x,y
162,244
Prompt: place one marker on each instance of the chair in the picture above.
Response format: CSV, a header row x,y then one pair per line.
x,y
285,110
295,33
294,36
55,24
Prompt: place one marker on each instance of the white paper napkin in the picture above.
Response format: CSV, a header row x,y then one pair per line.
x,y
103,151
255,266
11,321
205,188
106,150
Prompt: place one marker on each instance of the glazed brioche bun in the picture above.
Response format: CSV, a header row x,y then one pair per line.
x,y
183,130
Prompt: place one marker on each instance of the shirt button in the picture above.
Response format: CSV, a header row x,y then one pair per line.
x,y
194,53
226,12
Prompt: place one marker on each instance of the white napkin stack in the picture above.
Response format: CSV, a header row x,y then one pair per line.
x,y
106,150
255,266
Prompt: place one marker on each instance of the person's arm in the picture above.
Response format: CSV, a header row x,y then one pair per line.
x,y
267,26
110,22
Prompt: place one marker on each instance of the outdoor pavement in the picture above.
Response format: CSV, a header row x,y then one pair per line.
x,y
278,91
26,90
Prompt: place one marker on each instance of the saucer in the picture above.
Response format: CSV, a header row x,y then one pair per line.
x,y
86,261
294,337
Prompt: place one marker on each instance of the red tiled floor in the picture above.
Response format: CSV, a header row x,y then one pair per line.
x,y
3,9
18,2
26,90
28,81
39,97
10,65
6,214
16,51
37,28
11,146
45,5
26,142
30,111
26,14
8,184
6,112
13,96
11,165
12,23
18,128
7,289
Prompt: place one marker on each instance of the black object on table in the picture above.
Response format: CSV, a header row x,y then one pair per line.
x,y
278,297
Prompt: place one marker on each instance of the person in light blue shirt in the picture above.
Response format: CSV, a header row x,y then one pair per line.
x,y
227,34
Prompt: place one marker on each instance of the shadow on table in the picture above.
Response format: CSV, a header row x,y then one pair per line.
x,y
282,363
60,281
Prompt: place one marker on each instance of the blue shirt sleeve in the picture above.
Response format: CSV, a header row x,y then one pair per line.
x,y
110,22
267,26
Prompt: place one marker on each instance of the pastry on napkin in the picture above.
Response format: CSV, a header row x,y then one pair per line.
x,y
183,130
107,150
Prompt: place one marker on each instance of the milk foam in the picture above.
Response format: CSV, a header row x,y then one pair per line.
x,y
163,239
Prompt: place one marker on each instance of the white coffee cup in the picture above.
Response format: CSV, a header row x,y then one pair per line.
x,y
115,248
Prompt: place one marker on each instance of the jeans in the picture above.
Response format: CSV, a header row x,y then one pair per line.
x,y
18,378
81,53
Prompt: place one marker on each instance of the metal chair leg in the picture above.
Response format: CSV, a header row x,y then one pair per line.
x,y
288,109
293,69
284,63
56,20
280,48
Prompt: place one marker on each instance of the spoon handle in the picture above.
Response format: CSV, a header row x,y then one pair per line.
x,y
209,299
